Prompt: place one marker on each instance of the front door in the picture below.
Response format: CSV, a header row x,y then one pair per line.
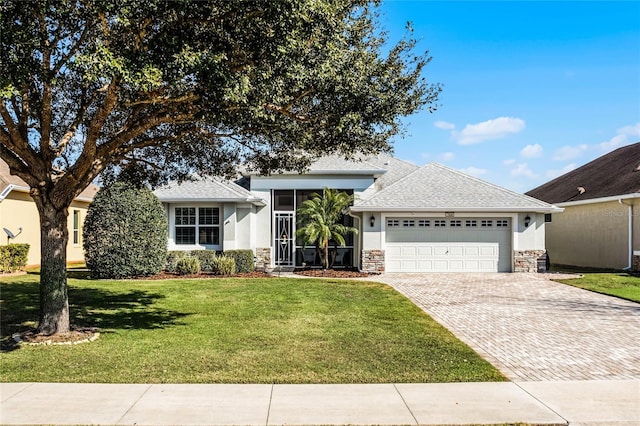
x,y
284,241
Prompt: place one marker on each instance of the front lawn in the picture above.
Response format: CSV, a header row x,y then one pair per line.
x,y
236,330
613,283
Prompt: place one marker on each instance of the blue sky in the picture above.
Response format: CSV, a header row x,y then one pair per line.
x,y
531,90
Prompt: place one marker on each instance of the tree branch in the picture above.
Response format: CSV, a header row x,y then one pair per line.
x,y
71,131
123,137
287,112
299,98
45,107
141,160
93,132
165,100
14,137
72,51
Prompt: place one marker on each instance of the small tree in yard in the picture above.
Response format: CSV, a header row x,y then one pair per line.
x,y
176,87
318,221
125,233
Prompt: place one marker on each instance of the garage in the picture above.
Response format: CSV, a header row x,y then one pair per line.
x,y
461,244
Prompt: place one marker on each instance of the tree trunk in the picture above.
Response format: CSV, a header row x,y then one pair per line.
x,y
54,301
326,254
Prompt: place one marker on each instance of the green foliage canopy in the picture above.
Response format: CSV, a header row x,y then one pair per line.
x,y
176,85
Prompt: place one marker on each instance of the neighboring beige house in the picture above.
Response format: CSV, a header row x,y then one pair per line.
x,y
19,215
600,225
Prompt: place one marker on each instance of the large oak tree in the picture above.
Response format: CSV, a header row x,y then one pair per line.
x,y
173,87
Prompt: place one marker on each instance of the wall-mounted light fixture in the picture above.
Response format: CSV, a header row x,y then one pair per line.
x,y
527,221
372,221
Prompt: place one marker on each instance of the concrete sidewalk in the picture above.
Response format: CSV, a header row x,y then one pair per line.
x,y
540,403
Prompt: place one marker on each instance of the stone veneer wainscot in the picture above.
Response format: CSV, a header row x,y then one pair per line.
x,y
373,261
263,258
529,260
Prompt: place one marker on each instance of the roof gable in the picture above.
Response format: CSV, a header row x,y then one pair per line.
x,y
437,187
9,182
613,174
205,189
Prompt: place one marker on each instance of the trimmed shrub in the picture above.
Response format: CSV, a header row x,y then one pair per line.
x,y
243,259
206,258
172,260
125,233
224,265
188,266
13,257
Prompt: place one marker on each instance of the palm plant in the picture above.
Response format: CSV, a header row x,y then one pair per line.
x,y
318,221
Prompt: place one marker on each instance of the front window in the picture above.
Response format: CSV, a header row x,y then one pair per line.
x,y
197,225
76,227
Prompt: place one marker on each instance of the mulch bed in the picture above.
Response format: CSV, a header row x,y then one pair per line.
x,y
75,336
331,273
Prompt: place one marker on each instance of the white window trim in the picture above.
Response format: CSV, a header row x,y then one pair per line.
x,y
172,228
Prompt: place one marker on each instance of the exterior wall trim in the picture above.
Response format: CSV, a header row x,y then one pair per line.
x,y
502,210
600,200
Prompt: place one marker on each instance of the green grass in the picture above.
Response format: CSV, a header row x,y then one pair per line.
x,y
237,331
613,283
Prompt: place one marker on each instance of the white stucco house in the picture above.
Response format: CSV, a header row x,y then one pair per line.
x,y
409,218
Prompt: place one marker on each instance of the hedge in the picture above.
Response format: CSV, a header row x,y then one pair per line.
x,y
125,233
243,258
13,257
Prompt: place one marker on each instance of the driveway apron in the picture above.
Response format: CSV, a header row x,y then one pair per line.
x,y
531,328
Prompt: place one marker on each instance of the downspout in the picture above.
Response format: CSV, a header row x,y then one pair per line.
x,y
630,265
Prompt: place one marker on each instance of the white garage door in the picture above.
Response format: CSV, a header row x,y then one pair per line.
x,y
448,245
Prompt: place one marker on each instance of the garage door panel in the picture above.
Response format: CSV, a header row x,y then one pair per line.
x,y
472,251
440,265
487,251
456,251
425,251
440,250
425,265
394,250
409,251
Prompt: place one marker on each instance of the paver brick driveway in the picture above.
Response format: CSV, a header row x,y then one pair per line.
x,y
529,327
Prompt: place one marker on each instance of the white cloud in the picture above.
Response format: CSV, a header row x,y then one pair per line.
x,y
522,169
633,130
509,162
554,173
444,125
622,138
488,130
613,143
446,156
474,171
531,151
569,152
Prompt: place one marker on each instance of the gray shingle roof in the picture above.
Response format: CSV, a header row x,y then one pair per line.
x,y
206,189
439,188
396,169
